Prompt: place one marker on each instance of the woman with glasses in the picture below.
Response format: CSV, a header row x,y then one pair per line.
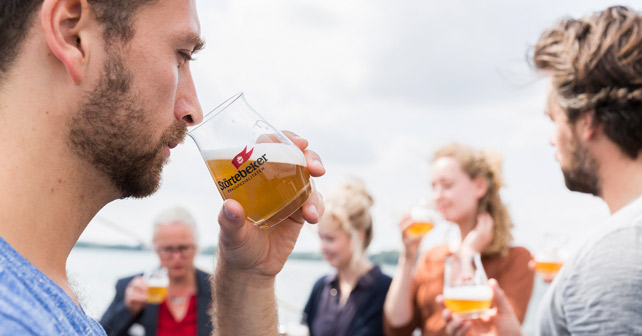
x,y
184,309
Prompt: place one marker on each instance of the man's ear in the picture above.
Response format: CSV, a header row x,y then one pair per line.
x,y
585,125
65,24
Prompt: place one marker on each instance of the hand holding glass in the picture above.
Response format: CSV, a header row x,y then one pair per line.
x,y
551,255
423,219
253,163
157,284
466,290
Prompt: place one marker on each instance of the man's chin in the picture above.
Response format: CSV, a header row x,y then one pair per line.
x,y
142,188
574,184
144,184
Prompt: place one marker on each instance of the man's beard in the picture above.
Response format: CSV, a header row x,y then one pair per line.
x,y
111,131
582,176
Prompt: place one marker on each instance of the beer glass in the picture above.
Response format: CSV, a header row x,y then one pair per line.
x,y
253,163
550,255
423,219
466,290
157,284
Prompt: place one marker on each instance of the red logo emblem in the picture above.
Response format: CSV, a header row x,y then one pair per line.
x,y
241,157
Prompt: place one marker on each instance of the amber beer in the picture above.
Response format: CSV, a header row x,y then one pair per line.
x,y
157,284
548,266
468,301
271,185
419,228
156,294
422,220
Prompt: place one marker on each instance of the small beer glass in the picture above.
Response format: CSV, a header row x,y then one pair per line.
x,y
157,284
423,219
252,162
551,255
466,290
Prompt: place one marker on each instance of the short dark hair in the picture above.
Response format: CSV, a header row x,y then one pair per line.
x,y
596,67
16,18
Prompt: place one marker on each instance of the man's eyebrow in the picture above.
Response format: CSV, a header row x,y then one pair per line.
x,y
199,45
193,39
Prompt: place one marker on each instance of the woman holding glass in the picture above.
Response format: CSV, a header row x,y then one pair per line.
x,y
177,306
349,302
466,184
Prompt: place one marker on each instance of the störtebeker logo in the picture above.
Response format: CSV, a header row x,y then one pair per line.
x,y
241,157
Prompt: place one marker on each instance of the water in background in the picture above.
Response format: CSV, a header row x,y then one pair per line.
x,y
94,272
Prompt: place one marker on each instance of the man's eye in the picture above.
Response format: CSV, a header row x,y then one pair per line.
x,y
185,57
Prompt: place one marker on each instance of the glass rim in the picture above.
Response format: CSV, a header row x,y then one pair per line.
x,y
216,111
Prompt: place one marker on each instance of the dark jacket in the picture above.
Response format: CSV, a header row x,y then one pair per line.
x,y
117,320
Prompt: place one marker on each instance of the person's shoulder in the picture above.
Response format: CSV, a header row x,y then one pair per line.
x,y
382,279
435,254
615,249
322,280
318,286
518,252
202,274
11,326
126,280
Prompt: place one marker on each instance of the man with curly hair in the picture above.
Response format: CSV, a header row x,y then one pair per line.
x,y
595,101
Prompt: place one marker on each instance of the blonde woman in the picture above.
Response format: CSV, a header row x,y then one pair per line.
x,y
466,184
350,301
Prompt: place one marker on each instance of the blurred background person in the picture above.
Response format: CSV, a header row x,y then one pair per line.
x,y
466,184
594,68
184,311
349,302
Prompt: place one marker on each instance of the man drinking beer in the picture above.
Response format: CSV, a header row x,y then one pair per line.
x,y
93,96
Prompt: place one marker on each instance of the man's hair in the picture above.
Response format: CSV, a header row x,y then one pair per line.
x,y
596,67
17,16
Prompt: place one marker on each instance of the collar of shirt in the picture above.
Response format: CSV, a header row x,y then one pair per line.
x,y
366,281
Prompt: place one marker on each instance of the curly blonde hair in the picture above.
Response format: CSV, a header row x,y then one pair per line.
x,y
595,65
349,205
476,163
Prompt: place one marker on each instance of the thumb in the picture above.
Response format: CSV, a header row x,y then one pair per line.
x,y
499,297
231,219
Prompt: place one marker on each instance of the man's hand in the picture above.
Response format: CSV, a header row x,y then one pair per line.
x,y
501,320
263,252
249,259
136,295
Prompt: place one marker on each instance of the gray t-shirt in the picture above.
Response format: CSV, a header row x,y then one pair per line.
x,y
32,304
599,291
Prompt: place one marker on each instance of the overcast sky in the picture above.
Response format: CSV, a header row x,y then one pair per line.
x,y
377,86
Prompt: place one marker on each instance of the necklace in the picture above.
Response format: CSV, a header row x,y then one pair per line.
x,y
177,300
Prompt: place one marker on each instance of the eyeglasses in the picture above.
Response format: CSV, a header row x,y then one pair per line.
x,y
168,251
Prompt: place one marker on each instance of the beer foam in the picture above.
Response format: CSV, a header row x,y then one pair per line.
x,y
422,214
547,258
276,152
469,293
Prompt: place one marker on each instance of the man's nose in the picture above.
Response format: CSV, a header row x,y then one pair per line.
x,y
187,107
